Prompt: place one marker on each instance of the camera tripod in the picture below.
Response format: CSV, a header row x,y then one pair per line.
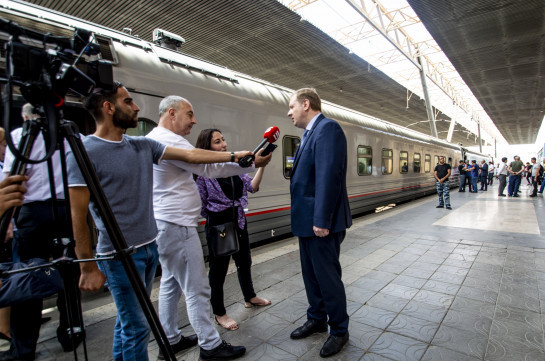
x,y
67,130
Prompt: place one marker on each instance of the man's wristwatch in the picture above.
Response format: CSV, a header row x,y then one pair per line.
x,y
232,156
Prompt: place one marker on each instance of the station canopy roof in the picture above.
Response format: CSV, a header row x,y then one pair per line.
x,y
496,47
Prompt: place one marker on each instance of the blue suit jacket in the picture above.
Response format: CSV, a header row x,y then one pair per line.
x,y
318,181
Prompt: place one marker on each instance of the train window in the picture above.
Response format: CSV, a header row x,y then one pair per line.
x,y
143,127
387,161
416,163
289,146
365,160
435,160
450,161
403,161
427,163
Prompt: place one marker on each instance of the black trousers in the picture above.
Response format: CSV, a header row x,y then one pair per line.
x,y
220,265
322,275
37,228
484,181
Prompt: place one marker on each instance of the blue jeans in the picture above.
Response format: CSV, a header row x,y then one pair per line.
x,y
462,183
443,191
474,183
514,184
131,332
540,188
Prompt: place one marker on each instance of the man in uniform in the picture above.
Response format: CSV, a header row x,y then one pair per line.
x,y
441,174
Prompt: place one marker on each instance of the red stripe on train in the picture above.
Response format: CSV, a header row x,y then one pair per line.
x,y
356,196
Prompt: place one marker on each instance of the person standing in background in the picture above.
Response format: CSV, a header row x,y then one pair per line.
x,y
441,174
474,175
469,183
502,176
484,175
515,169
535,173
462,171
542,178
491,173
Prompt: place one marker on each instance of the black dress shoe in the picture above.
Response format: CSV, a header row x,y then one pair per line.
x,y
225,351
310,327
333,345
439,207
185,342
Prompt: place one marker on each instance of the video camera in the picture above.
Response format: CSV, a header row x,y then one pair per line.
x,y
57,66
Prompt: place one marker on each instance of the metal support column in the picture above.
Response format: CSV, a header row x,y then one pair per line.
x,y
479,134
451,130
431,116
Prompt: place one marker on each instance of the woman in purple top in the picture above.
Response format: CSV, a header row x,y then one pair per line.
x,y
218,198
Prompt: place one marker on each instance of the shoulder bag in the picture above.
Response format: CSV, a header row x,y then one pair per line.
x,y
224,237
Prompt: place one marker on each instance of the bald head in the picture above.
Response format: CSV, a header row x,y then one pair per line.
x,y
176,114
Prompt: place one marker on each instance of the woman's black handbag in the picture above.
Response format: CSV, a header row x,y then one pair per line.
x,y
223,239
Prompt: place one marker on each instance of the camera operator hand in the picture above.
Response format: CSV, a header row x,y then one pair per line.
x,y
262,161
11,192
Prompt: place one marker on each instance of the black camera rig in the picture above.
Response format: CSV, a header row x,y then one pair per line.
x,y
46,68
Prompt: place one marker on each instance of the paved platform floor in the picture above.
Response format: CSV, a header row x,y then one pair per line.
x,y
422,284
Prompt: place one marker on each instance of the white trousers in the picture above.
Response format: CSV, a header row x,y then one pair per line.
x,y
182,263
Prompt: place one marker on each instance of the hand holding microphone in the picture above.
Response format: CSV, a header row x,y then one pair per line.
x,y
270,136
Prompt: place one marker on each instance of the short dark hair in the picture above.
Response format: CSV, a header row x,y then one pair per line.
x,y
312,95
204,140
93,103
504,159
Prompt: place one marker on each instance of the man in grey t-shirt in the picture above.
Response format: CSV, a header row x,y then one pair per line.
x,y
124,168
515,176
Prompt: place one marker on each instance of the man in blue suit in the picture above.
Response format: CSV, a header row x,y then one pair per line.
x,y
320,215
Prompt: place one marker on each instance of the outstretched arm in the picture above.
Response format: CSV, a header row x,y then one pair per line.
x,y
197,155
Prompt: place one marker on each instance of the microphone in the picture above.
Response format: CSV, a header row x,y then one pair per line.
x,y
271,135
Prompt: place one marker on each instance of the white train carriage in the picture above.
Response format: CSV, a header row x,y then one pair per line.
x,y
386,163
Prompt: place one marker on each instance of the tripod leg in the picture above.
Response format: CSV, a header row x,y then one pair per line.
x,y
117,238
71,331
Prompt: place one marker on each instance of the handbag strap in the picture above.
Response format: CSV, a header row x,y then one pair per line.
x,y
233,189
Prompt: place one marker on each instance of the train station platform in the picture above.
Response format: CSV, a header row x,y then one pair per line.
x,y
422,284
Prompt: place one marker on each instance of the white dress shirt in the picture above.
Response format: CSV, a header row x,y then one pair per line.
x,y
502,169
38,188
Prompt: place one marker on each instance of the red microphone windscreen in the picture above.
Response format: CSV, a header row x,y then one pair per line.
x,y
272,134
